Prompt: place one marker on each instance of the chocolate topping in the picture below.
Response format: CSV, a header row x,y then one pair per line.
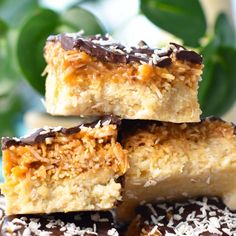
x,y
213,118
189,56
41,134
133,125
104,48
202,216
59,224
126,125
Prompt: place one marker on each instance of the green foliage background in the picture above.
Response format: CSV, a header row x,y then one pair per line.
x,y
25,26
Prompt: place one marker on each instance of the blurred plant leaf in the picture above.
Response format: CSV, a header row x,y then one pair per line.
x,y
3,28
184,19
9,72
205,84
209,53
217,89
35,31
11,107
224,31
76,18
15,12
30,45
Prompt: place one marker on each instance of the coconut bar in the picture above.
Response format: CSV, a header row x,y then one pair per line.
x,y
201,216
99,76
60,224
64,169
175,161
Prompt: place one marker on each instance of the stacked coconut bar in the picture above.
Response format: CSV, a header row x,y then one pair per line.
x,y
177,161
98,76
63,170
149,133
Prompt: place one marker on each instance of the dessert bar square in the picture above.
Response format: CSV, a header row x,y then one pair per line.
x,y
60,224
64,169
201,216
99,76
175,161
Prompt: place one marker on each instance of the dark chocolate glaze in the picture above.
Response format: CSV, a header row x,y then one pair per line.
x,y
104,49
133,125
188,56
124,126
164,213
213,118
84,220
41,134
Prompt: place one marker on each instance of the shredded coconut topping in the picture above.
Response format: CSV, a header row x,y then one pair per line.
x,y
194,218
44,226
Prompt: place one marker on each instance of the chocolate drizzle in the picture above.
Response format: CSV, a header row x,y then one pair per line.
x,y
201,216
125,126
188,56
104,48
133,125
59,224
41,134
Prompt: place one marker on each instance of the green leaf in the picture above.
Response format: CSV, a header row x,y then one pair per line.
x,y
30,45
221,79
76,18
209,55
14,13
3,28
9,72
217,89
205,84
224,31
11,107
35,31
184,19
